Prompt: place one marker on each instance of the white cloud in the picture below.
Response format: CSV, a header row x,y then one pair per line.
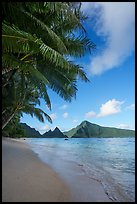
x,y
53,116
74,121
65,115
115,22
110,107
90,114
45,127
63,107
123,126
131,107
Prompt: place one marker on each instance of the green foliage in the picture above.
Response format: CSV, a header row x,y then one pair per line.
x,y
14,129
37,40
30,132
23,98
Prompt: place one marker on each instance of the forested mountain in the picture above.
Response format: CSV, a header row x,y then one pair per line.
x,y
30,132
55,133
84,130
87,129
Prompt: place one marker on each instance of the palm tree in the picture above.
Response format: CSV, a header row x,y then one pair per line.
x,y
23,99
37,40
14,128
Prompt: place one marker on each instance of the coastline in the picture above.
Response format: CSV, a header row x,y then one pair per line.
x,y
34,180
26,179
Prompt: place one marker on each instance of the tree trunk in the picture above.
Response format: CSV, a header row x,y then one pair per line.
x,y
3,111
4,124
5,70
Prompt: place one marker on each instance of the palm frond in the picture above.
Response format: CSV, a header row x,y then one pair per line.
x,y
15,40
78,46
40,47
79,72
42,90
35,56
37,112
10,61
45,96
49,33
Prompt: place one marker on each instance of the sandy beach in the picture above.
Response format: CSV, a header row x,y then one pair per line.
x,y
25,178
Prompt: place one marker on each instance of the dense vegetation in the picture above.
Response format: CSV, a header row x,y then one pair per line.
x,y
29,132
38,39
14,129
56,133
84,130
32,133
87,129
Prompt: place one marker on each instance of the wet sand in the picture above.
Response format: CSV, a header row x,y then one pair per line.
x,y
25,178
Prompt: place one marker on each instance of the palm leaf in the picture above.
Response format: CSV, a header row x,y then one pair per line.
x,y
9,61
37,112
78,46
49,33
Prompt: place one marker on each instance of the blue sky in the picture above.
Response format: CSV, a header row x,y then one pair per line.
x,y
109,98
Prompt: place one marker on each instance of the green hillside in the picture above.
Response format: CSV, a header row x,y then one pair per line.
x,y
87,130
30,132
84,130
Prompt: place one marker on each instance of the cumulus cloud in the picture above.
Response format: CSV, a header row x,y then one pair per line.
x,y
131,107
65,115
63,107
53,116
110,107
90,114
115,22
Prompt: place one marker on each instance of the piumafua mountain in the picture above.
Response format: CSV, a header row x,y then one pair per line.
x,y
87,130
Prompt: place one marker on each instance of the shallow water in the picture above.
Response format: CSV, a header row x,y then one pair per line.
x,y
109,160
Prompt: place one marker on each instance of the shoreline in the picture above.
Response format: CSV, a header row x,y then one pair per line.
x,y
75,188
26,179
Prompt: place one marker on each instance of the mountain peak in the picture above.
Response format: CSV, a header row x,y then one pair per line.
x,y
56,133
85,122
56,129
87,129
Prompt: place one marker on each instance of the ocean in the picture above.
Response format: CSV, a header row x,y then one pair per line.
x,y
108,160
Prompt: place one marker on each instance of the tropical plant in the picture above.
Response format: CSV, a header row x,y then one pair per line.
x,y
14,128
37,40
21,96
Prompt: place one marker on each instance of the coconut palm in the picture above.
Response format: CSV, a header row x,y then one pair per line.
x,y
23,99
37,40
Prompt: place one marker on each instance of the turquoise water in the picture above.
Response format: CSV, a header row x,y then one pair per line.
x,y
109,160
